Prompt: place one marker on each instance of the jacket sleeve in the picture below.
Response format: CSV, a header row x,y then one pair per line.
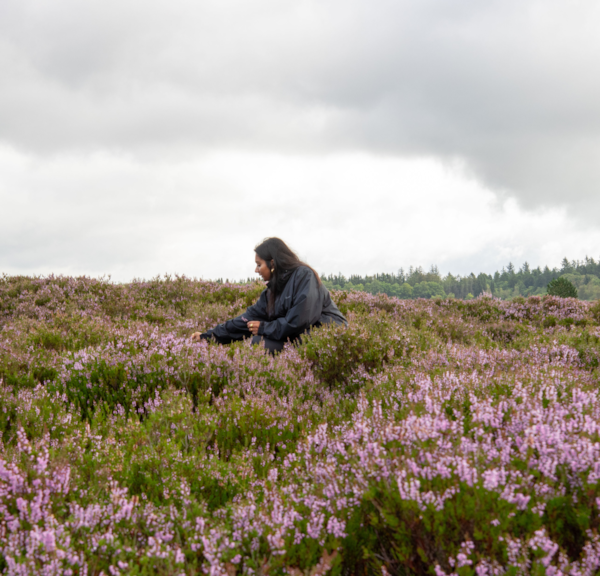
x,y
304,311
237,329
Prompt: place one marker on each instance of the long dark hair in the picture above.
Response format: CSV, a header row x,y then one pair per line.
x,y
279,257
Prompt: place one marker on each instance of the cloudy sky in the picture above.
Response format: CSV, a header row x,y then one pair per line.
x,y
170,136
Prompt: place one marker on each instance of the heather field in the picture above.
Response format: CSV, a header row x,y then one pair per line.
x,y
429,437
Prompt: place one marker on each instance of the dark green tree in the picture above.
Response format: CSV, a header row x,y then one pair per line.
x,y
562,287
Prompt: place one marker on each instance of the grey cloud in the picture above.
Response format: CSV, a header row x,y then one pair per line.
x,y
508,87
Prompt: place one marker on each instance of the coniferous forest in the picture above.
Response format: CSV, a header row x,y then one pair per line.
x,y
506,284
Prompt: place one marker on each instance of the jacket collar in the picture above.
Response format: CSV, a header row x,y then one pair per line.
x,y
281,281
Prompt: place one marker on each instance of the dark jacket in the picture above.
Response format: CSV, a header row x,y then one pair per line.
x,y
301,303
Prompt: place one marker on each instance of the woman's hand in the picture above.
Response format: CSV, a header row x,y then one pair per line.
x,y
253,326
195,337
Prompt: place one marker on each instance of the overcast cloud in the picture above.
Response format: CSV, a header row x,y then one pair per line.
x,y
144,137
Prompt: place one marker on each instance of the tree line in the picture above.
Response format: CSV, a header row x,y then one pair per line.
x,y
506,283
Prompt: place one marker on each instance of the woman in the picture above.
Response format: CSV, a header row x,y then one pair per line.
x,y
294,301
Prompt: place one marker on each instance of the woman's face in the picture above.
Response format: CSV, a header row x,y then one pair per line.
x,y
262,268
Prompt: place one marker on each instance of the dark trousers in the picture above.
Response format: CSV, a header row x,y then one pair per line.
x,y
271,345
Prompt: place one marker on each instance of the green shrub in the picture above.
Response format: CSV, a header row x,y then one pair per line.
x,y
595,311
108,386
588,346
505,332
336,352
390,531
562,287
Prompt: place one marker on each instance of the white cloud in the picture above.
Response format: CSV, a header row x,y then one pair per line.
x,y
350,213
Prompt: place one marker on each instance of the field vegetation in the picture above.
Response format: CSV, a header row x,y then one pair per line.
x,y
432,436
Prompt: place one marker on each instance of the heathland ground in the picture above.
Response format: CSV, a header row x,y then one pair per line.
x,y
431,436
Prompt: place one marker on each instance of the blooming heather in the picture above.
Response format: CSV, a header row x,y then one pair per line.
x,y
429,437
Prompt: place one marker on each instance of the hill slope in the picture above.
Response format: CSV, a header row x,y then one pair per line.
x,y
431,436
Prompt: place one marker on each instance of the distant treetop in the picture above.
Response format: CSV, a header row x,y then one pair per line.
x,y
583,276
